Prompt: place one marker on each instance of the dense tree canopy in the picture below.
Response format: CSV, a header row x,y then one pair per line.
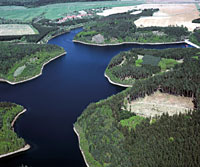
x,y
195,37
9,141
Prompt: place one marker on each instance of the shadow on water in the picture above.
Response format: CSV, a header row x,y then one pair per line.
x,y
57,98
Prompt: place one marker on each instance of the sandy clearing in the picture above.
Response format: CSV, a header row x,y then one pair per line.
x,y
15,29
116,10
170,14
159,103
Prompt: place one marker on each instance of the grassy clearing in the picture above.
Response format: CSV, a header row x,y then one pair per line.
x,y
17,29
138,62
55,11
196,57
167,64
132,122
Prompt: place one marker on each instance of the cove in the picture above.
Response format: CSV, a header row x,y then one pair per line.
x,y
55,100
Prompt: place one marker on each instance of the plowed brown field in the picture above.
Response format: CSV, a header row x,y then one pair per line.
x,y
170,14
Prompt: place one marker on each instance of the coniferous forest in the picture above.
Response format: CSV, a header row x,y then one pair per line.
x,y
166,141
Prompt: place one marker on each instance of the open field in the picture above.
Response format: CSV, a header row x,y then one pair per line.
x,y
159,103
116,10
16,29
170,14
56,11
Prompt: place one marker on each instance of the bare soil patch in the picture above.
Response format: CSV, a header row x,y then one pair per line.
x,y
170,15
98,38
159,103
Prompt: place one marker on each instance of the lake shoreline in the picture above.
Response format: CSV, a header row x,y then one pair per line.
x,y
123,43
14,83
80,146
25,148
115,83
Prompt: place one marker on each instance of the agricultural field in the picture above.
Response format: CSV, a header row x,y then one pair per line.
x,y
159,103
16,29
170,15
56,11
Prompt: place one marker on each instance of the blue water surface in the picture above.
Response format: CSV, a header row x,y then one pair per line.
x,y
55,100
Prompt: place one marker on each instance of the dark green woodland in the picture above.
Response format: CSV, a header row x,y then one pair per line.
x,y
166,141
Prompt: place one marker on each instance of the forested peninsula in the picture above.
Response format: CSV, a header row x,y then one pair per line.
x,y
129,66
23,62
10,143
119,131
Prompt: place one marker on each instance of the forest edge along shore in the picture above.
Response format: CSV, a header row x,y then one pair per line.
x,y
14,83
25,148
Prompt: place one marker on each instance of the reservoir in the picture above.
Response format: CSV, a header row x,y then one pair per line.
x,y
55,100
